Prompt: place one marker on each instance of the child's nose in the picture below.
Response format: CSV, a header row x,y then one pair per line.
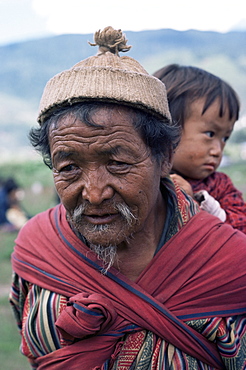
x,y
217,148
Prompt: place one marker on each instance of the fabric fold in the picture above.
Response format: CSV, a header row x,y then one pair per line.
x,y
86,314
177,285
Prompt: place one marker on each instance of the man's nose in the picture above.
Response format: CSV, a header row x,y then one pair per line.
x,y
96,187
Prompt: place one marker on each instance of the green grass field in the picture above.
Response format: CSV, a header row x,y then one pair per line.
x,y
35,202
36,181
11,358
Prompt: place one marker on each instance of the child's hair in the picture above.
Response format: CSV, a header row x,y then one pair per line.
x,y
185,84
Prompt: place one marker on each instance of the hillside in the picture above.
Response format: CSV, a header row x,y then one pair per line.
x,y
26,67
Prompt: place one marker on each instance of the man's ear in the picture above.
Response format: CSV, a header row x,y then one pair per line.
x,y
166,164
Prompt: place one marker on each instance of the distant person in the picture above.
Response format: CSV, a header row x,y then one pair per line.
x,y
126,272
207,108
12,216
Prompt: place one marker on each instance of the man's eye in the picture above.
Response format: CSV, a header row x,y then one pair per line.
x,y
226,138
118,167
68,168
209,133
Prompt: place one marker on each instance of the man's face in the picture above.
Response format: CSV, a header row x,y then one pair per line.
x,y
109,172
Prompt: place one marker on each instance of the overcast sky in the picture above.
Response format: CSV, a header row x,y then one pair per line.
x,y
28,19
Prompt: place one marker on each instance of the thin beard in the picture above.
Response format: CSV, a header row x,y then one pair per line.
x,y
105,254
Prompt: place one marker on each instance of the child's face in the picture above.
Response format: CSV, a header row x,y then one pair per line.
x,y
203,140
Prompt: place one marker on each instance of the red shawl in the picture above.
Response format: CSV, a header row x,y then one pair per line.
x,y
197,274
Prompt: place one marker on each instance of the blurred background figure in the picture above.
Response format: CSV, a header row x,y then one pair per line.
x,y
12,215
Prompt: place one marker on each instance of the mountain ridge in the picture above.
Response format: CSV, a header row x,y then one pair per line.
x,y
27,66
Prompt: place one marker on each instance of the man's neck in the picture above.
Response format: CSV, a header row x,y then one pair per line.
x,y
136,253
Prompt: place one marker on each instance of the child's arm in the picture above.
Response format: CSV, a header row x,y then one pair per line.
x,y
206,201
221,188
185,185
231,200
209,204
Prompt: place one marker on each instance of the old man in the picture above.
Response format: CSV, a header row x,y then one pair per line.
x,y
126,273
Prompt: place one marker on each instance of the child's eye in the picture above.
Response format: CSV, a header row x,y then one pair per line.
x,y
226,138
209,133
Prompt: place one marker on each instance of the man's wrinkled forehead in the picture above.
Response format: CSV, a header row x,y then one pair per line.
x,y
64,154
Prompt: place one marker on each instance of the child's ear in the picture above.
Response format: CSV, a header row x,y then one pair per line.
x,y
167,163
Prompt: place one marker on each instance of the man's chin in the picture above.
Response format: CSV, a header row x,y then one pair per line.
x,y
104,236
104,241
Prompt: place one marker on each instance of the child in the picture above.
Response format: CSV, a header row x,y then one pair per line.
x,y
206,108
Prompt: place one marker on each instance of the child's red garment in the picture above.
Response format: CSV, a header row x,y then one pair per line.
x,y
220,186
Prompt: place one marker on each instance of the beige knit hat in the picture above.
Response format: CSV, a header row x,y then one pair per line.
x,y
106,77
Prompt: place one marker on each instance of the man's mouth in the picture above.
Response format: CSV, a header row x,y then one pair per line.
x,y
100,219
103,215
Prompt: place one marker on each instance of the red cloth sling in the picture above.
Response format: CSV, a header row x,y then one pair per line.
x,y
197,274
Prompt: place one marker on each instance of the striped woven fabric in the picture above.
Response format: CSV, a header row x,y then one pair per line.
x,y
37,309
140,350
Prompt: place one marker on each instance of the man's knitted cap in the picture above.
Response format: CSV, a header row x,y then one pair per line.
x,y
106,77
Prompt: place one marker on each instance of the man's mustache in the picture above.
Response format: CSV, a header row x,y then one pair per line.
x,y
123,209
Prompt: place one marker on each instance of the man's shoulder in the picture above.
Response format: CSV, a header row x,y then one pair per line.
x,y
40,221
213,227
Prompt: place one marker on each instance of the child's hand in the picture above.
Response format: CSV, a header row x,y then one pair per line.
x,y
182,183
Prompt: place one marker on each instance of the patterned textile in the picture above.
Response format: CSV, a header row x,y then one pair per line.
x,y
131,351
220,186
60,346
143,350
